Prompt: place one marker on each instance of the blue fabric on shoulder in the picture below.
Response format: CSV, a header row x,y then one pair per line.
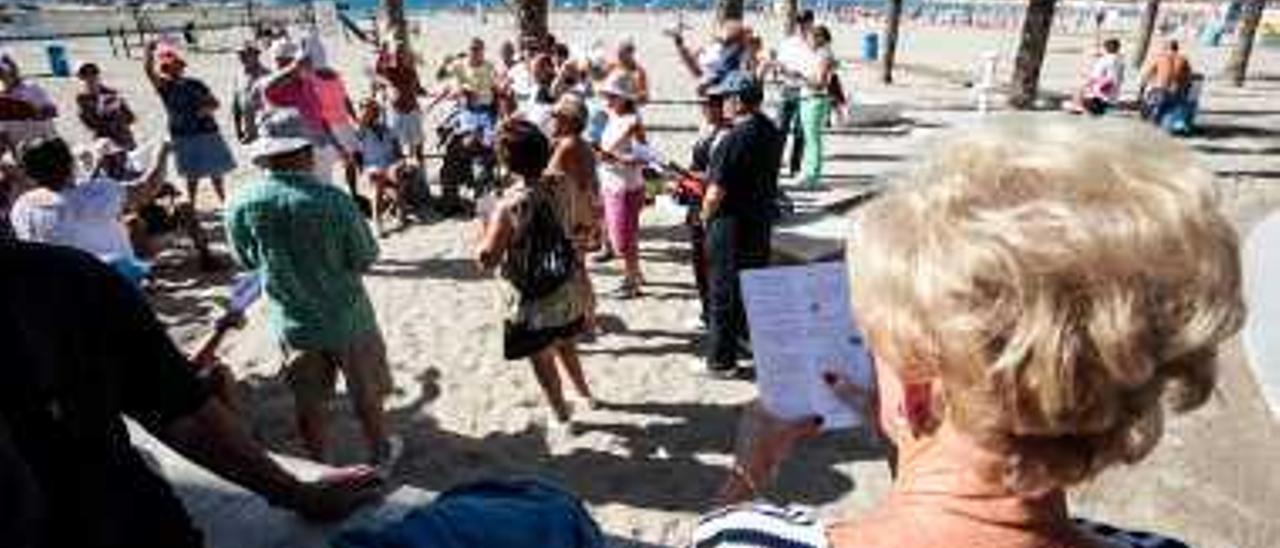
x,y
523,513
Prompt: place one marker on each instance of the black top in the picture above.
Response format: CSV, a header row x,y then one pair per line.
x,y
745,165
81,347
184,99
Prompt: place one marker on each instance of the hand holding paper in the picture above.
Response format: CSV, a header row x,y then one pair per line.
x,y
802,329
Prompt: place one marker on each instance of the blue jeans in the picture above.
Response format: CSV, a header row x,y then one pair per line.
x,y
733,245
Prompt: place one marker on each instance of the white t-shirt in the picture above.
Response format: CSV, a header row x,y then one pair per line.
x,y
793,55
616,177
810,64
1106,77
85,216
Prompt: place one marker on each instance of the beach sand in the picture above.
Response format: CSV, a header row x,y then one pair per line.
x,y
651,459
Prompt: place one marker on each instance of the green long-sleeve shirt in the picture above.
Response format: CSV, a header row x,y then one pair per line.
x,y
311,245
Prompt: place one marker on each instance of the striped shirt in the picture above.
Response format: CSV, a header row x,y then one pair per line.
x,y
760,525
311,245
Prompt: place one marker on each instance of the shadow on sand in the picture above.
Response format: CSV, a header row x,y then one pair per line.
x,y
660,466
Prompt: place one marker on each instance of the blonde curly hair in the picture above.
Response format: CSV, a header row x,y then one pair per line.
x,y
1063,280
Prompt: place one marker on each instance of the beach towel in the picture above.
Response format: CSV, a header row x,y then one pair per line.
x,y
527,513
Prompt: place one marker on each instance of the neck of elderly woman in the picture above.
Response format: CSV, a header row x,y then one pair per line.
x,y
951,488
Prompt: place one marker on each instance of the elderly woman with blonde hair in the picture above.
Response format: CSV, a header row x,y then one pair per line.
x,y
1036,296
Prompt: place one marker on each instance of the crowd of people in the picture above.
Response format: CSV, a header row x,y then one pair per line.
x,y
1003,379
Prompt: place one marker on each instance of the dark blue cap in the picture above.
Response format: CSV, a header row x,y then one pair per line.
x,y
740,84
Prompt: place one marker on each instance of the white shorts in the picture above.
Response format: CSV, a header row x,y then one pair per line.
x,y
407,127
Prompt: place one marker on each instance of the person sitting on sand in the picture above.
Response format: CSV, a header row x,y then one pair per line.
x,y
382,164
573,169
1101,90
474,80
82,351
103,110
198,147
85,214
310,245
539,327
26,110
1037,296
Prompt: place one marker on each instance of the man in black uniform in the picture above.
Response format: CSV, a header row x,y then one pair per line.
x,y
81,348
739,209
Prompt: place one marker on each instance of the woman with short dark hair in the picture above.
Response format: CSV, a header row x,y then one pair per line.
x,y
543,316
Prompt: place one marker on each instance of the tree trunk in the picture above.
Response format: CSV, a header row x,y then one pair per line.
x,y
1238,63
1036,26
729,10
1142,42
396,24
891,40
790,8
531,19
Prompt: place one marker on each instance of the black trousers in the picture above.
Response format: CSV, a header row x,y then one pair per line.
x,y
698,260
789,122
733,245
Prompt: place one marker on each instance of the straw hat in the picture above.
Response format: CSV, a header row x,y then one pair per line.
x,y
280,131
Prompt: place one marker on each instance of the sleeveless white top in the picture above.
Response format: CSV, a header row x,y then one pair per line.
x,y
615,177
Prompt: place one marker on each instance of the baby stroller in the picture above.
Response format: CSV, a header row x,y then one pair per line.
x,y
466,139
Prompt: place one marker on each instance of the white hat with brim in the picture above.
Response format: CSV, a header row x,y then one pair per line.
x,y
280,131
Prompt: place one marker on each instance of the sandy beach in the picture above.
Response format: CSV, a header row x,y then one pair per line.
x,y
648,462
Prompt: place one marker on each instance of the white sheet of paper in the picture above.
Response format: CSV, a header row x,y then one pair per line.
x,y
802,325
647,154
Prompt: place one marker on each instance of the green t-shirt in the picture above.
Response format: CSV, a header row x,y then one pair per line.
x,y
311,245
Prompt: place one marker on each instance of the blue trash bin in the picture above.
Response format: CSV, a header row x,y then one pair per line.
x,y
58,64
870,46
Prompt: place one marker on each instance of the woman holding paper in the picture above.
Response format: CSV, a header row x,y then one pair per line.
x,y
1034,297
621,181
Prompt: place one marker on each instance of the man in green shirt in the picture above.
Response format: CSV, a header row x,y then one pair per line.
x,y
311,245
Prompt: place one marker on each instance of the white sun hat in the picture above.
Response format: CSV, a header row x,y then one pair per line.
x,y
280,131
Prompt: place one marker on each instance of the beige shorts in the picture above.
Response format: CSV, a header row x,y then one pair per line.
x,y
313,374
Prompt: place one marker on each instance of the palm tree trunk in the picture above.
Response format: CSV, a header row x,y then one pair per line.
x,y
1036,25
789,10
891,40
729,10
396,23
1238,63
531,19
1142,43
